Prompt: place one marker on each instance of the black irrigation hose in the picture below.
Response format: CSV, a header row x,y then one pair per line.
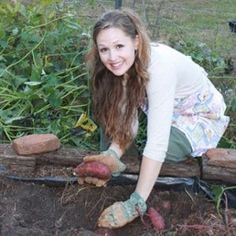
x,y
163,183
52,181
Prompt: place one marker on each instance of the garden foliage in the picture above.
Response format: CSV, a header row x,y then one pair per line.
x,y
44,82
43,77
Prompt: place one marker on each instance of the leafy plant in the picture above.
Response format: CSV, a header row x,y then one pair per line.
x,y
44,81
201,54
218,192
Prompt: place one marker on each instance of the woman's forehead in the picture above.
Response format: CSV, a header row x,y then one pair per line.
x,y
111,34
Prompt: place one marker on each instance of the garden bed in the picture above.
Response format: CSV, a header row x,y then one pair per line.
x,y
43,208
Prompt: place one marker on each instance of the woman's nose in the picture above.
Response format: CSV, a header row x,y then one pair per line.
x,y
112,55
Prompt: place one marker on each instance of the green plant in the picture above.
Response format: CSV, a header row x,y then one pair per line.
x,y
218,192
214,64
44,80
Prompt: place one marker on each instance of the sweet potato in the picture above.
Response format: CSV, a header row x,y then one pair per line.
x,y
156,219
93,169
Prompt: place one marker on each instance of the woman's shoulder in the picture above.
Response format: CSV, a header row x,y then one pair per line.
x,y
162,53
165,49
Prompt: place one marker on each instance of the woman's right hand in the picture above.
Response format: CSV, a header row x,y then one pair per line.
x,y
111,160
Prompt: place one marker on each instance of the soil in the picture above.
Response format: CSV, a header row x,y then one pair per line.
x,y
33,209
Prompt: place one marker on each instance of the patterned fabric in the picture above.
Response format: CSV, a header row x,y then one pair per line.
x,y
201,117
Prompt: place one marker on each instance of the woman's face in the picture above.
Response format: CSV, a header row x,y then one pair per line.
x,y
116,50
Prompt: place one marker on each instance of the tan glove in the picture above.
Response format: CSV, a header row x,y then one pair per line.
x,y
110,159
121,213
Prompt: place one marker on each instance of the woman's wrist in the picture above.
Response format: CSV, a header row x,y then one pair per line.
x,y
111,152
115,161
138,200
116,148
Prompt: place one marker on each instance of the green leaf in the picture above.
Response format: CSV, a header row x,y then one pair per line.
x,y
3,44
2,59
19,81
51,80
9,121
15,31
32,83
35,73
54,100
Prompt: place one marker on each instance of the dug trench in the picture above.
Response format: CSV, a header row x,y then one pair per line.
x,y
34,204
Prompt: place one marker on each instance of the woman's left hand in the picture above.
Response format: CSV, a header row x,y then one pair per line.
x,y
121,213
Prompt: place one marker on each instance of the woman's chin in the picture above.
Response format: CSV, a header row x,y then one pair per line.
x,y
118,72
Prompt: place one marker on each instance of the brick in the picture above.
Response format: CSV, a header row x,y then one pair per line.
x,y
35,144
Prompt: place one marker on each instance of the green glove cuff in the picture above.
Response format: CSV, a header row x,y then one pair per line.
x,y
134,206
137,200
111,152
120,165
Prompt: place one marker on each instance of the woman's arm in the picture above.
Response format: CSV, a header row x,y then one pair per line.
x,y
149,172
121,213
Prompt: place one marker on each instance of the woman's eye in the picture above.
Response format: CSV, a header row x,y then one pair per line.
x,y
102,50
119,46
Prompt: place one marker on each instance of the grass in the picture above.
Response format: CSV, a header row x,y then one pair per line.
x,y
201,20
197,20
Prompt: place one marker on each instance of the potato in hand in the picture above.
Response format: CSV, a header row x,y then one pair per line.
x,y
93,169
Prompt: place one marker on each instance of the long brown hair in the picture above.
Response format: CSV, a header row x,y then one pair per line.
x,y
114,113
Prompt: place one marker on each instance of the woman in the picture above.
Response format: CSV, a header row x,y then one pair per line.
x,y
185,112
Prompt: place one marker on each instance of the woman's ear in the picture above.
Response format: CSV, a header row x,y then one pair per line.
x,y
136,42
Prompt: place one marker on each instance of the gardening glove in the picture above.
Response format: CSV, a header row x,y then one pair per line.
x,y
110,159
121,213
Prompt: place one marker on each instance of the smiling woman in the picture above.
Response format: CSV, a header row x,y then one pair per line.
x,y
120,49
116,50
185,112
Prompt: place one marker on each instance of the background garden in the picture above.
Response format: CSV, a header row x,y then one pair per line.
x,y
44,82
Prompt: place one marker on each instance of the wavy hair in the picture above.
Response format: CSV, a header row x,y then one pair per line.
x,y
114,107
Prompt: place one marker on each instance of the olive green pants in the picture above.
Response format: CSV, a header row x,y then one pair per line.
x,y
179,147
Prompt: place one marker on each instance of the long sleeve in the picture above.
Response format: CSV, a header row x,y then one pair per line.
x,y
160,95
